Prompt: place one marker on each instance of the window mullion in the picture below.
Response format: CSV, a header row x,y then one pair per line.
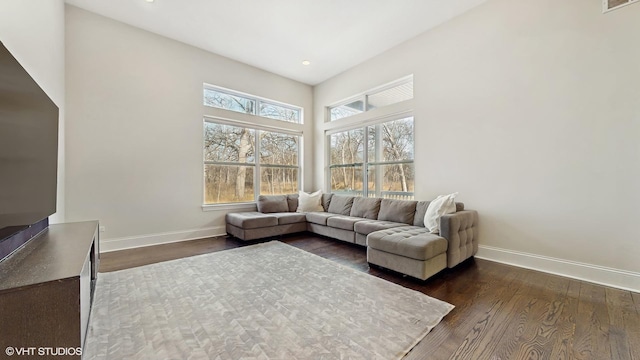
x,y
257,173
299,162
379,157
346,165
365,158
227,163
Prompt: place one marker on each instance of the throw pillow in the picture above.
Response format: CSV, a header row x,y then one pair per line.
x,y
310,202
443,204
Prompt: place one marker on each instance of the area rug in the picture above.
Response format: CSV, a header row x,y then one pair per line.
x,y
265,301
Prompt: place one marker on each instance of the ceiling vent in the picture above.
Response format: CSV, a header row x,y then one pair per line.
x,y
608,5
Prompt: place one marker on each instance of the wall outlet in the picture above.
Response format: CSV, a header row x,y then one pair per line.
x,y
102,229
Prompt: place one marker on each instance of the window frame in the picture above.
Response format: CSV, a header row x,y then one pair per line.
x,y
378,144
364,98
258,101
398,110
256,165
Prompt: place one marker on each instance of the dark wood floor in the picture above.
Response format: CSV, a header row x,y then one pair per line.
x,y
502,312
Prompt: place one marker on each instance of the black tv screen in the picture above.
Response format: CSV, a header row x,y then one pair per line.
x,y
28,148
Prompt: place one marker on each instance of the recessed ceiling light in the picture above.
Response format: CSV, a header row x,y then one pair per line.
x,y
306,62
149,0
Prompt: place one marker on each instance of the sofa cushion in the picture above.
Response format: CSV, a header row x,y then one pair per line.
x,y
251,220
340,204
292,201
326,200
272,203
343,222
401,211
365,207
421,209
319,217
409,241
290,218
366,227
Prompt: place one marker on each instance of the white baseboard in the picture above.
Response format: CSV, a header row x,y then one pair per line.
x,y
108,245
621,279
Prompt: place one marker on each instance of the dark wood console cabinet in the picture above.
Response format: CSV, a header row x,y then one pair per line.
x,y
46,289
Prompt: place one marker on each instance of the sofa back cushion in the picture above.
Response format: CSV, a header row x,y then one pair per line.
x,y
340,205
421,209
326,200
273,203
367,208
292,201
401,211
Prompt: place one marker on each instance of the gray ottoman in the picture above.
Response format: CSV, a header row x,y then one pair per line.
x,y
410,250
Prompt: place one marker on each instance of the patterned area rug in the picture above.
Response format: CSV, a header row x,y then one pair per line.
x,y
266,301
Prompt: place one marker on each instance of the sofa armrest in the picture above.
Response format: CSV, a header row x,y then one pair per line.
x,y
461,231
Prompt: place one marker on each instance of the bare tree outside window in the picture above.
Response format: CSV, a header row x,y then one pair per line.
x,y
233,152
347,156
225,145
224,99
375,160
388,167
397,137
279,112
343,111
229,102
278,163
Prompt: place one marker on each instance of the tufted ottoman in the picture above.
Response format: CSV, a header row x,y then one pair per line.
x,y
410,250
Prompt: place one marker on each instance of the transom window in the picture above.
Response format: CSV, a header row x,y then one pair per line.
x,y
235,101
393,93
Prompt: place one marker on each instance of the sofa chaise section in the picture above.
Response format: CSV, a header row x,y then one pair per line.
x,y
410,250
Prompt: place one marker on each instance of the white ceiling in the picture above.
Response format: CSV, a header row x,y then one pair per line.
x,y
277,35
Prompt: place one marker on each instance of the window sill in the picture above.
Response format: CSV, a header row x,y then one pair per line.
x,y
223,207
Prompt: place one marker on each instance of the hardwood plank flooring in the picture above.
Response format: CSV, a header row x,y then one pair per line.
x,y
502,312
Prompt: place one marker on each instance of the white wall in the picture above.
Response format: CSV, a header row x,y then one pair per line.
x,y
530,109
134,128
34,33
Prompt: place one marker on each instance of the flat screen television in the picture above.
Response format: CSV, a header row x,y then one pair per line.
x,y
28,150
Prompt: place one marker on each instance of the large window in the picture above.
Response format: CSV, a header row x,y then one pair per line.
x,y
245,156
375,159
232,171
379,155
230,100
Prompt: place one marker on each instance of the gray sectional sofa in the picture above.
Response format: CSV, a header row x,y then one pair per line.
x,y
392,230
